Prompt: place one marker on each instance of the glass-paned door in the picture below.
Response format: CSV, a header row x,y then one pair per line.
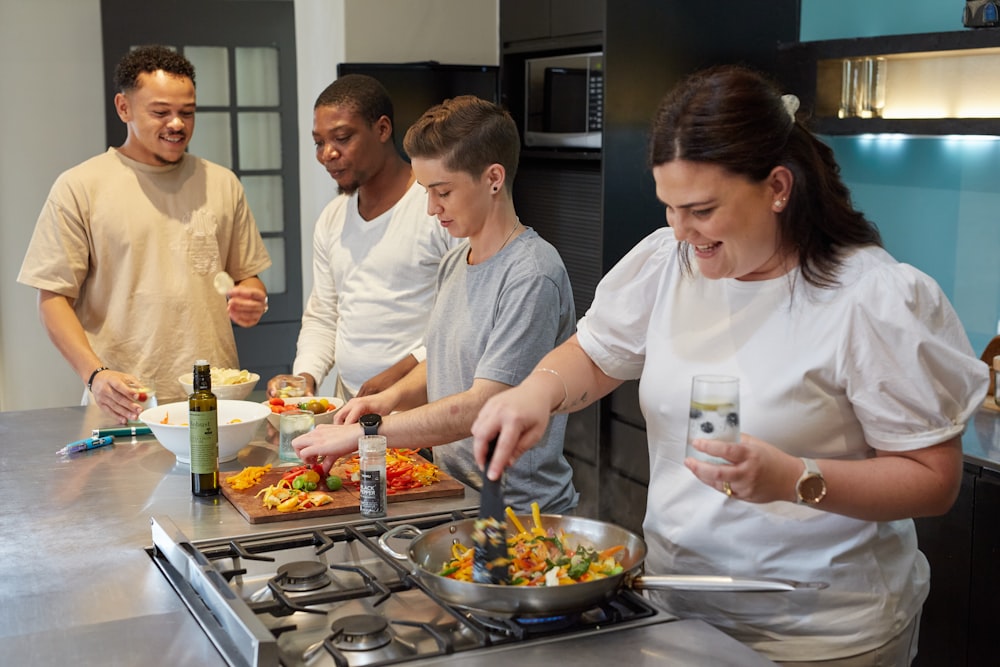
x,y
244,58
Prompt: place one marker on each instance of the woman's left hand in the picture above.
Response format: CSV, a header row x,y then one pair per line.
x,y
759,472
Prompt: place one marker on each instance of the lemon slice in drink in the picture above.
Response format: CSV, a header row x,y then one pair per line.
x,y
713,407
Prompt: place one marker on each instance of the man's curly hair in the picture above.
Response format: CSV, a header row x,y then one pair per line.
x,y
150,59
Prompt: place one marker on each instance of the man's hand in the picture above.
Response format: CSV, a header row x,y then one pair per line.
x,y
114,392
275,383
247,302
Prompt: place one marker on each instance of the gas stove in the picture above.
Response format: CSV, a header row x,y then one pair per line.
x,y
331,595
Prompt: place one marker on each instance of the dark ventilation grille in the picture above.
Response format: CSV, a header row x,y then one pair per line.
x,y
563,204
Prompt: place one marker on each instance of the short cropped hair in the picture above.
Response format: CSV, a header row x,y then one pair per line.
x,y
149,59
468,134
363,94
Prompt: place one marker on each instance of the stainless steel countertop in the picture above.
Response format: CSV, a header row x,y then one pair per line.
x,y
981,440
77,585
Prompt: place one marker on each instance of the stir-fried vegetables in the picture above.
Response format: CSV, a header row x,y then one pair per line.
x,y
540,558
247,477
404,469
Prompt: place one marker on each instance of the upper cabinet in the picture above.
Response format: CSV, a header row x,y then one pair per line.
x,y
922,84
534,25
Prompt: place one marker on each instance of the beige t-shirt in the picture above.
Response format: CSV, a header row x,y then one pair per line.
x,y
137,247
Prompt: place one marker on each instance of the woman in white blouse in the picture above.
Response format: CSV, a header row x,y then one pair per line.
x,y
856,382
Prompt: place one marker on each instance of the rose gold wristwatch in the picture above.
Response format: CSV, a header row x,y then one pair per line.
x,y
811,487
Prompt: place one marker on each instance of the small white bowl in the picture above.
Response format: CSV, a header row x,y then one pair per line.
x,y
233,437
228,392
274,418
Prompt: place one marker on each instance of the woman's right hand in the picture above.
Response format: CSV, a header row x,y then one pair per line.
x,y
517,418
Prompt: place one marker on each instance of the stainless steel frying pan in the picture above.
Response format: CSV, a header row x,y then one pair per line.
x,y
430,549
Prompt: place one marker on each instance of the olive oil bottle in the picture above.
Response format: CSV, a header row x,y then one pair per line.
x,y
203,424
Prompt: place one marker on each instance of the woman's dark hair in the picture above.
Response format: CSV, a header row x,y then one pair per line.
x,y
363,94
736,118
149,59
468,134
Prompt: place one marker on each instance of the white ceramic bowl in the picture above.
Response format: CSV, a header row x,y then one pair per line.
x,y
228,392
325,418
232,437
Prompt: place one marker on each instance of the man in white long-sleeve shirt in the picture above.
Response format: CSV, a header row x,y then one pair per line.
x,y
375,250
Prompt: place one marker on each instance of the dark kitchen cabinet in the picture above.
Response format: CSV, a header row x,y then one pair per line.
x,y
595,205
958,626
524,20
947,543
984,579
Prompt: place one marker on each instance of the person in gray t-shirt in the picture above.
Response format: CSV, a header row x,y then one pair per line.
x,y
503,302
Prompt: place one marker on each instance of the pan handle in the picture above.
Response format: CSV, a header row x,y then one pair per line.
x,y
397,531
698,582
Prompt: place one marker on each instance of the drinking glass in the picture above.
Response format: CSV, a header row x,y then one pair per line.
x,y
854,88
714,413
292,424
291,386
146,390
875,75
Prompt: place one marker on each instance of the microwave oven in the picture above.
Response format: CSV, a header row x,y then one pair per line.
x,y
564,101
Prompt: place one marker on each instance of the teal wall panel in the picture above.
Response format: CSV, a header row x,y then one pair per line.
x,y
835,19
936,200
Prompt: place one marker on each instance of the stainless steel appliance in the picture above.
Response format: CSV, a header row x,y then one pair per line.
x,y
564,100
331,596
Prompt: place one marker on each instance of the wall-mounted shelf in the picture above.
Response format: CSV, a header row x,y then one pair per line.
x,y
936,83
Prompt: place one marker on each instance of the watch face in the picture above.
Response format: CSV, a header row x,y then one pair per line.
x,y
370,420
812,489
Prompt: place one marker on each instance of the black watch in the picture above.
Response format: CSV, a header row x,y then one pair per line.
x,y
370,423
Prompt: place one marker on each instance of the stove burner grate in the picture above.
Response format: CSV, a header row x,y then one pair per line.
x,y
369,640
301,576
361,632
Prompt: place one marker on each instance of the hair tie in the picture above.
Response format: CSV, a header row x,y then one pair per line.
x,y
791,103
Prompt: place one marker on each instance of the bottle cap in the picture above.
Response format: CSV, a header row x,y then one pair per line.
x,y
371,444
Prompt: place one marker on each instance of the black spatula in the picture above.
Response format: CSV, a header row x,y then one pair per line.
x,y
490,559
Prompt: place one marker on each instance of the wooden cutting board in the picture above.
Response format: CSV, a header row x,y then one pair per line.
x,y
345,501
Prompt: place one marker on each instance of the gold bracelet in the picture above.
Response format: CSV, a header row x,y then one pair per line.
x,y
562,404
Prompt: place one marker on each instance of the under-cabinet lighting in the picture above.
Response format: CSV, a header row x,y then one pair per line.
x,y
892,139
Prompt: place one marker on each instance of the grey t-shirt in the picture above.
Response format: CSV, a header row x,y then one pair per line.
x,y
495,321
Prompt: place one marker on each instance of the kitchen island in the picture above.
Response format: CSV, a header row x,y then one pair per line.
x,y
79,587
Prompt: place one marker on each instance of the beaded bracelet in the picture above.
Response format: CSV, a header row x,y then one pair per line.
x,y
94,374
562,404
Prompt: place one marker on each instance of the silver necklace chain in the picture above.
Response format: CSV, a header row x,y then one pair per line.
x,y
517,223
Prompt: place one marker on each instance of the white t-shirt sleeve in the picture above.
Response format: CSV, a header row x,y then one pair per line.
x,y
316,351
613,331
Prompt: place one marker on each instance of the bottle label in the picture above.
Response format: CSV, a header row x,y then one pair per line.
x,y
372,498
204,428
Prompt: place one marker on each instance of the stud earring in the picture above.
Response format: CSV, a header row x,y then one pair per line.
x,y
496,189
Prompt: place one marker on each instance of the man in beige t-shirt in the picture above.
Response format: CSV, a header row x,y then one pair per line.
x,y
128,243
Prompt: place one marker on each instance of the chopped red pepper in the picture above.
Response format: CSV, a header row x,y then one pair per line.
x,y
295,472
